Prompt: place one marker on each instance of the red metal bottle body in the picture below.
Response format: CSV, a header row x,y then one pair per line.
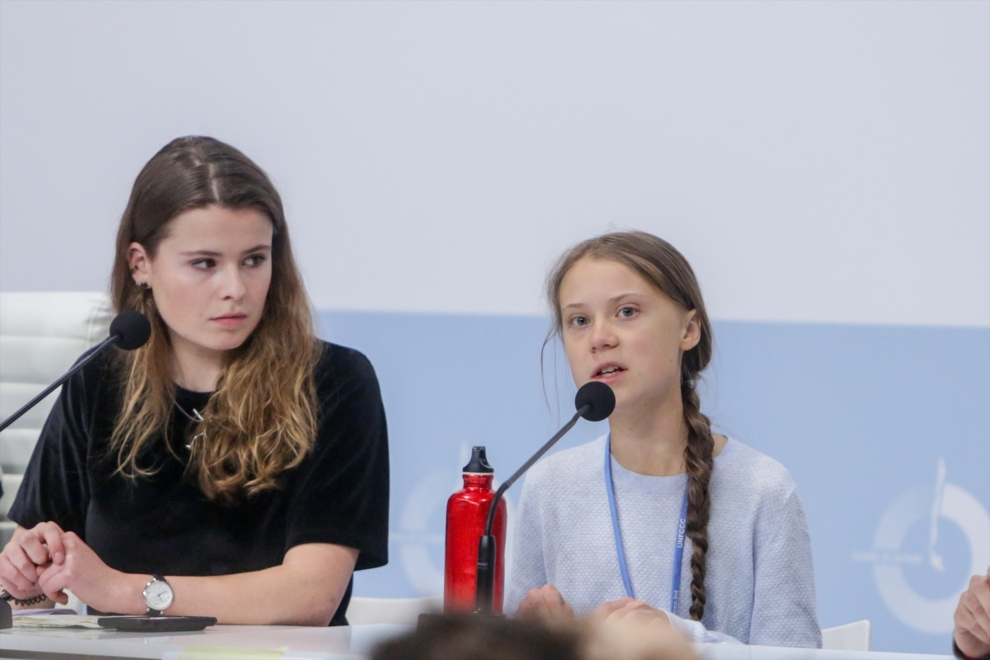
x,y
467,512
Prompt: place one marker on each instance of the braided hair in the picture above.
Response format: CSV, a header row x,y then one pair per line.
x,y
660,264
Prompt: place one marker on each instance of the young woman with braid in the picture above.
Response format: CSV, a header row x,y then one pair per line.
x,y
661,516
235,466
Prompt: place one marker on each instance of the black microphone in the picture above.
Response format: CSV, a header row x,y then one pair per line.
x,y
595,401
128,330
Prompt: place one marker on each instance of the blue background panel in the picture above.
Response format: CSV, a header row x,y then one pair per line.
x,y
862,416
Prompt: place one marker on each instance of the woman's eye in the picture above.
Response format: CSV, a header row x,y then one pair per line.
x,y
204,264
626,312
579,321
255,260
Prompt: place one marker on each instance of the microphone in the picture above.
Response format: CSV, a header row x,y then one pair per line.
x,y
595,401
128,331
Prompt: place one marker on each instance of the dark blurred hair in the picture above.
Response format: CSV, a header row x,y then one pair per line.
x,y
474,637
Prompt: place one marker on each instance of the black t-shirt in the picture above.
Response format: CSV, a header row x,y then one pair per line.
x,y
164,524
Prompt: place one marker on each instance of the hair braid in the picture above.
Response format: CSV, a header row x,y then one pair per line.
x,y
699,463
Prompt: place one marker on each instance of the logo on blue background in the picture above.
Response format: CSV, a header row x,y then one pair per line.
x,y
927,545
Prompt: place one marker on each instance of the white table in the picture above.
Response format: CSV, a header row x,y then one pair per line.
x,y
306,643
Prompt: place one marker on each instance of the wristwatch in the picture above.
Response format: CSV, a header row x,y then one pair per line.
x,y
158,595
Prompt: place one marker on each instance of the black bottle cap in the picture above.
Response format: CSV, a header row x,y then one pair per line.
x,y
479,462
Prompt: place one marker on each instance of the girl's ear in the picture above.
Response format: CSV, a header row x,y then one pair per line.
x,y
139,264
692,331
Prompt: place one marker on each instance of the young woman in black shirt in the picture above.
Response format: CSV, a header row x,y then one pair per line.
x,y
235,466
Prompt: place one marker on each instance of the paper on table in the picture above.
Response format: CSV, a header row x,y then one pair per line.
x,y
225,652
45,611
62,621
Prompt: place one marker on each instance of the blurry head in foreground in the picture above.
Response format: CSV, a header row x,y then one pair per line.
x,y
473,637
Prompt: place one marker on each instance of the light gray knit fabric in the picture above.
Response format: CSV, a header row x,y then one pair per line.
x,y
760,581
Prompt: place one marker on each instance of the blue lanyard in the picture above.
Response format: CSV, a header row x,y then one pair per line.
x,y
675,581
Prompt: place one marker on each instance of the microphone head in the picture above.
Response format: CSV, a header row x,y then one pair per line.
x,y
599,397
132,330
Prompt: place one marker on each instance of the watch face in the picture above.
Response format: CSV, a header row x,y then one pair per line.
x,y
158,595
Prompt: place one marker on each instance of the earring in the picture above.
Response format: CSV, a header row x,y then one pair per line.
x,y
142,285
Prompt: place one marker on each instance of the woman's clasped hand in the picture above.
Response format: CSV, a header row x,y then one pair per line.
x,y
45,560
28,557
972,618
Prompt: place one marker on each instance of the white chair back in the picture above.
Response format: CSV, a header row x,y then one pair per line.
x,y
853,636
405,611
41,336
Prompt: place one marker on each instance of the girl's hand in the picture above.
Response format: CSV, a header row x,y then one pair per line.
x,y
631,610
972,618
27,554
84,574
628,629
545,604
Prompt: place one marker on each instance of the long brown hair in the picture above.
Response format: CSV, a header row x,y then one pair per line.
x,y
262,418
661,265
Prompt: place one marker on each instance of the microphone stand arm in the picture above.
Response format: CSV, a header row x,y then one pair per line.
x,y
48,390
485,589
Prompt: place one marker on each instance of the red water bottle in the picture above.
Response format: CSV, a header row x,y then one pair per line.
x,y
467,511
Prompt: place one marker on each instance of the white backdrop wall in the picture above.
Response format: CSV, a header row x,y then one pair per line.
x,y
824,166
815,161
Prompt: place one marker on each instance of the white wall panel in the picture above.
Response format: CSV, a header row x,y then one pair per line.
x,y
815,161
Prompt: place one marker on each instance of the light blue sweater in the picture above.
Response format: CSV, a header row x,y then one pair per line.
x,y
760,581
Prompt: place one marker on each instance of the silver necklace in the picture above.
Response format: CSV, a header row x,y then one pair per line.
x,y
195,417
